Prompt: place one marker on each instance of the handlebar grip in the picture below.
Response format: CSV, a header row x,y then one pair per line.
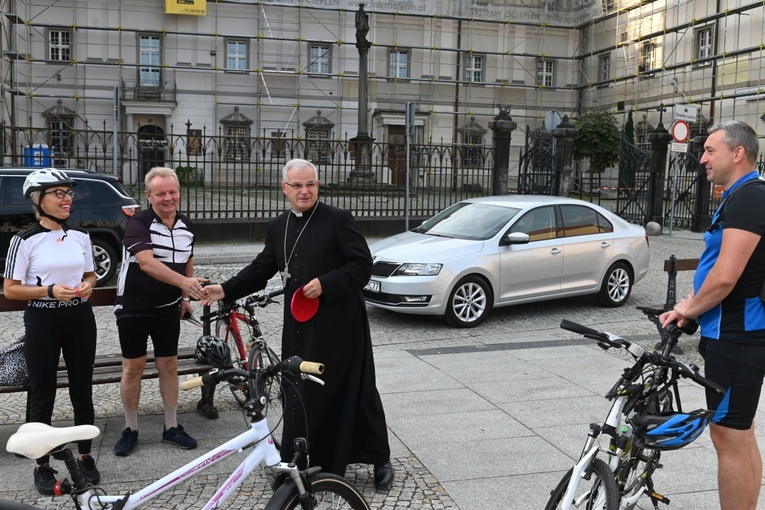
x,y
276,293
578,328
309,367
192,383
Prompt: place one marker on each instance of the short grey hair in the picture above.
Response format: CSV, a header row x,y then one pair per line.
x,y
160,171
739,134
298,163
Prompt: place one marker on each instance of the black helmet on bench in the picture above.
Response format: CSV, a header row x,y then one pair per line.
x,y
212,350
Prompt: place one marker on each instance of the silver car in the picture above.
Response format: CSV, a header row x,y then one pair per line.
x,y
497,251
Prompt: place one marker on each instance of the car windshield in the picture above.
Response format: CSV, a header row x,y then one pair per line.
x,y
467,220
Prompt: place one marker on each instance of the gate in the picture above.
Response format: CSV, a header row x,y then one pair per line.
x,y
681,190
633,183
537,175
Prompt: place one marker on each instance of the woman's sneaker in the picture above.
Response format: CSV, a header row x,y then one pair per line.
x,y
45,479
89,470
178,437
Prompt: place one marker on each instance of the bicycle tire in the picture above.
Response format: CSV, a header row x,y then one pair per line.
x,y
261,356
329,492
601,490
636,472
232,336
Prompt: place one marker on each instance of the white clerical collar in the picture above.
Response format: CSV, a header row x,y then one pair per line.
x,y
298,214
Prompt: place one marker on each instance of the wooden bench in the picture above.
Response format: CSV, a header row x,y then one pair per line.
x,y
671,266
108,367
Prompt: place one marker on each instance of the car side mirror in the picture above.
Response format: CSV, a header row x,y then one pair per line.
x,y
517,238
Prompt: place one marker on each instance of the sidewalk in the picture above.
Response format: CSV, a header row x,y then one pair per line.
x,y
481,418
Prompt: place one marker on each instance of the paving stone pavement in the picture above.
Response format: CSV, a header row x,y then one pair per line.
x,y
478,418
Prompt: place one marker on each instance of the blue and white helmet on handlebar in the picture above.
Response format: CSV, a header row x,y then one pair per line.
x,y
669,430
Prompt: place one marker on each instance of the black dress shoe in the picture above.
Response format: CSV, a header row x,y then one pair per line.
x,y
383,476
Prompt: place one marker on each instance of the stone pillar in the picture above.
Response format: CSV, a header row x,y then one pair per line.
x,y
564,136
362,173
702,218
659,139
502,126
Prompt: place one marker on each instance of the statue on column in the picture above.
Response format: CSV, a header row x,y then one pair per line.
x,y
362,24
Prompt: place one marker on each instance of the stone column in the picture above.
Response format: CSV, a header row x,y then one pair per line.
x,y
659,139
564,136
362,173
502,126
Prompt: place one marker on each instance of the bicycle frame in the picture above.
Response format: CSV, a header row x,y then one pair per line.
x,y
264,452
592,448
232,327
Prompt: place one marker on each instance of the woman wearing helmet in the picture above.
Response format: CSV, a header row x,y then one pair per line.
x,y
51,266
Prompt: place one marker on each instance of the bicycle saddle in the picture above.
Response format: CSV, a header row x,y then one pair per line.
x,y
33,440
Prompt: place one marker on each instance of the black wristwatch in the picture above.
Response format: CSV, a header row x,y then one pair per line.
x,y
50,291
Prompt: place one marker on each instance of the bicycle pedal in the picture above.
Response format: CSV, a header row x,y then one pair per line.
x,y
655,496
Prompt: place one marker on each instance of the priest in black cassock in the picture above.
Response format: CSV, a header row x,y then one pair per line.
x,y
320,248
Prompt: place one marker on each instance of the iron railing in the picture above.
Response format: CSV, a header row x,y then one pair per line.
x,y
236,178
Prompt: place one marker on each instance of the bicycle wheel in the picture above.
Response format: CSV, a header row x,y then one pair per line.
x,y
597,493
329,492
634,474
230,331
261,356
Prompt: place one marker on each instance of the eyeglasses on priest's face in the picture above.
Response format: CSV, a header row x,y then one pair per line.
x,y
297,186
61,193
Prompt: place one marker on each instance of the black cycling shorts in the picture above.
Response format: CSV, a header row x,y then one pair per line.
x,y
741,368
164,331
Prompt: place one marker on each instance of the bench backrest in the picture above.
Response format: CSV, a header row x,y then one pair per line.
x,y
672,265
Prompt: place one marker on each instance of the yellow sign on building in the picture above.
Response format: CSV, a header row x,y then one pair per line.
x,y
193,7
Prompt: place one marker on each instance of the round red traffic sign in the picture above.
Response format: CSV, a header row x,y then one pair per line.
x,y
680,131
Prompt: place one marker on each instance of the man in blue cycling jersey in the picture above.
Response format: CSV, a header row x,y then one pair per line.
x,y
726,301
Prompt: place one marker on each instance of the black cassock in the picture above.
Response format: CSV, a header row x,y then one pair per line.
x,y
346,421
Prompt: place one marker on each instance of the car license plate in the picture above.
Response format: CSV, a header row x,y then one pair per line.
x,y
372,286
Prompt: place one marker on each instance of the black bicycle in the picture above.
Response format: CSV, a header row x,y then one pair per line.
x,y
645,419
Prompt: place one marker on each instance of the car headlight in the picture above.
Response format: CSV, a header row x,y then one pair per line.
x,y
418,269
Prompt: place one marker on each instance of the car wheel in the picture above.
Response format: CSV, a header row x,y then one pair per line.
x,y
616,287
105,259
469,303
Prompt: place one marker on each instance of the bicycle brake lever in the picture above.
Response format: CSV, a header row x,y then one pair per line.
x,y
312,378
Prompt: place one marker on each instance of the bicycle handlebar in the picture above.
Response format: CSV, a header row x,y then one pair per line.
x,y
607,340
261,298
294,365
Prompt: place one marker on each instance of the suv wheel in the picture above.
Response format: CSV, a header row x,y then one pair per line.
x,y
105,259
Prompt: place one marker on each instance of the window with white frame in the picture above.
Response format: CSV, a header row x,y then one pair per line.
x,y
472,154
604,67
398,63
548,6
703,43
545,72
150,59
474,65
319,55
647,56
236,55
608,5
59,45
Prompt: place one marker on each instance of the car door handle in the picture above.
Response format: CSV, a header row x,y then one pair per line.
x,y
605,244
554,251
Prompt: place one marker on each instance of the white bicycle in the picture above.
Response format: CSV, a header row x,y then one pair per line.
x,y
305,489
645,419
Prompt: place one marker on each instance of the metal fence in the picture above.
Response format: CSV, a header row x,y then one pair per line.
x,y
237,178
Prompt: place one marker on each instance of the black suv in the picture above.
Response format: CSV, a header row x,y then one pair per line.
x,y
101,206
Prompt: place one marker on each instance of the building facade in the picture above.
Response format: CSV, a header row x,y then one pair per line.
x,y
288,69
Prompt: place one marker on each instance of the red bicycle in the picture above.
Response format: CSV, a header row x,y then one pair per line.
x,y
237,325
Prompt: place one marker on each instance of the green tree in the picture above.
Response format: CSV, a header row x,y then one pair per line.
x,y
598,141
629,129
